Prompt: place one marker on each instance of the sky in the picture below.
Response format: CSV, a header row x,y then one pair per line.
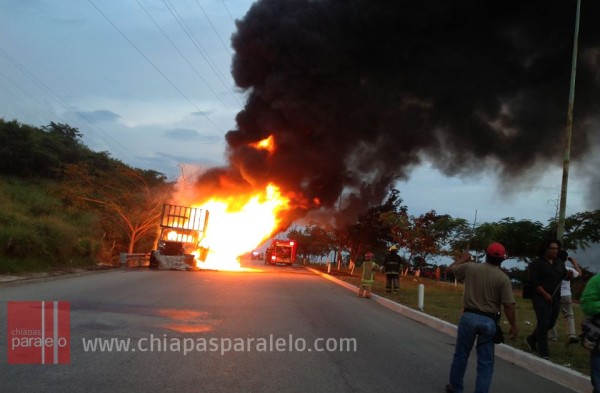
x,y
151,82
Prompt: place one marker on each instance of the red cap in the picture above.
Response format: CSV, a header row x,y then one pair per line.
x,y
496,250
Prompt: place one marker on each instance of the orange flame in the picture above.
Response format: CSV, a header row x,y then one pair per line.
x,y
267,144
238,224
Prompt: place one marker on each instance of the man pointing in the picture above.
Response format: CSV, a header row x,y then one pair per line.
x,y
486,288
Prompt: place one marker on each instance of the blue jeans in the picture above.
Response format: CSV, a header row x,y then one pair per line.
x,y
473,327
595,370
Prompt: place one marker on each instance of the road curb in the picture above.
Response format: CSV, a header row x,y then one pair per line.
x,y
564,376
8,280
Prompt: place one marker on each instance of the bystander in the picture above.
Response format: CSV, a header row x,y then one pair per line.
x,y
590,305
486,289
566,302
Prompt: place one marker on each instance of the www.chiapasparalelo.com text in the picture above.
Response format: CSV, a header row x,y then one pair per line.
x,y
221,345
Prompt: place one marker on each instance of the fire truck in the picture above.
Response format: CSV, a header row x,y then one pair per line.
x,y
182,229
281,251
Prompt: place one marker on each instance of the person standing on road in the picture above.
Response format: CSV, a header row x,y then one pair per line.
x,y
566,303
368,275
546,274
486,288
391,265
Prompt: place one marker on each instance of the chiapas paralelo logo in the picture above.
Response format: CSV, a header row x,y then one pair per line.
x,y
39,332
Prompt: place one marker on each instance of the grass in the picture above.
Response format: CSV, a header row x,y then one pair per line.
x,y
38,233
444,301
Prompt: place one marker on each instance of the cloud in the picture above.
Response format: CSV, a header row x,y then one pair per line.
x,y
171,164
98,116
186,134
202,113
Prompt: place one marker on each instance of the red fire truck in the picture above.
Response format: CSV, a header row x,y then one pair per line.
x,y
281,251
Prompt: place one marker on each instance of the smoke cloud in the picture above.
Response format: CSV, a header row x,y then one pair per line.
x,y
358,92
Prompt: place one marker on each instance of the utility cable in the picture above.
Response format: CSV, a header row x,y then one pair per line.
x,y
213,27
155,67
62,102
183,56
198,46
227,9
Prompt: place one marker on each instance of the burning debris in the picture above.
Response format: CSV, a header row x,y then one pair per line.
x,y
238,223
182,230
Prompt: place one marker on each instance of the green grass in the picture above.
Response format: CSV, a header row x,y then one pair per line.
x,y
38,233
444,301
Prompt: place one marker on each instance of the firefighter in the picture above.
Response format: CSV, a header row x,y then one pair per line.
x,y
368,275
268,255
392,265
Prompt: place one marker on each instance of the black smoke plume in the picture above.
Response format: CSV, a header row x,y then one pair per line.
x,y
358,92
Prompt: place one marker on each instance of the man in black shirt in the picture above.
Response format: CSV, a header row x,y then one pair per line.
x,y
545,276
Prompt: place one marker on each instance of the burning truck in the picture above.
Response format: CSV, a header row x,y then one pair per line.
x,y
182,230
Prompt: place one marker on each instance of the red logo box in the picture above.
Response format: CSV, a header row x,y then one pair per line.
x,y
39,332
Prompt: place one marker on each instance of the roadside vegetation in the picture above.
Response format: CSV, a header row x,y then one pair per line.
x,y
66,206
38,232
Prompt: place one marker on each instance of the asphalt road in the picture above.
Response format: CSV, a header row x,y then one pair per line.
x,y
268,332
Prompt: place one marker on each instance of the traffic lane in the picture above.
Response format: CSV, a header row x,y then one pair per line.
x,y
132,308
393,352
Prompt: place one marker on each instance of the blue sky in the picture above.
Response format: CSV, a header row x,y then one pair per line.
x,y
150,82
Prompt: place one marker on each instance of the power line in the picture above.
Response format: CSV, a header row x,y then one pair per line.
x,y
227,9
198,46
154,66
17,98
60,100
183,56
213,27
33,98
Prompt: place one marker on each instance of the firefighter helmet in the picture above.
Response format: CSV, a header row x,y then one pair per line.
x,y
394,248
369,255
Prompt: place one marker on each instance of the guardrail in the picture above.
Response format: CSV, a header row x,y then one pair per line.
x,y
135,259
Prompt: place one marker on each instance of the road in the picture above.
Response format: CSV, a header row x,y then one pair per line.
x,y
247,315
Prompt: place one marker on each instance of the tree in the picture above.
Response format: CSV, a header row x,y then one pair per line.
x,y
129,199
581,229
64,142
313,241
522,238
30,152
432,234
23,151
372,231
302,240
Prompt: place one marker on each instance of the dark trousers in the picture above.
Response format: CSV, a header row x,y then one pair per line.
x,y
392,282
546,314
595,370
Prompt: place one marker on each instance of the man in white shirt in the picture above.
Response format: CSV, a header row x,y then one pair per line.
x,y
566,303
